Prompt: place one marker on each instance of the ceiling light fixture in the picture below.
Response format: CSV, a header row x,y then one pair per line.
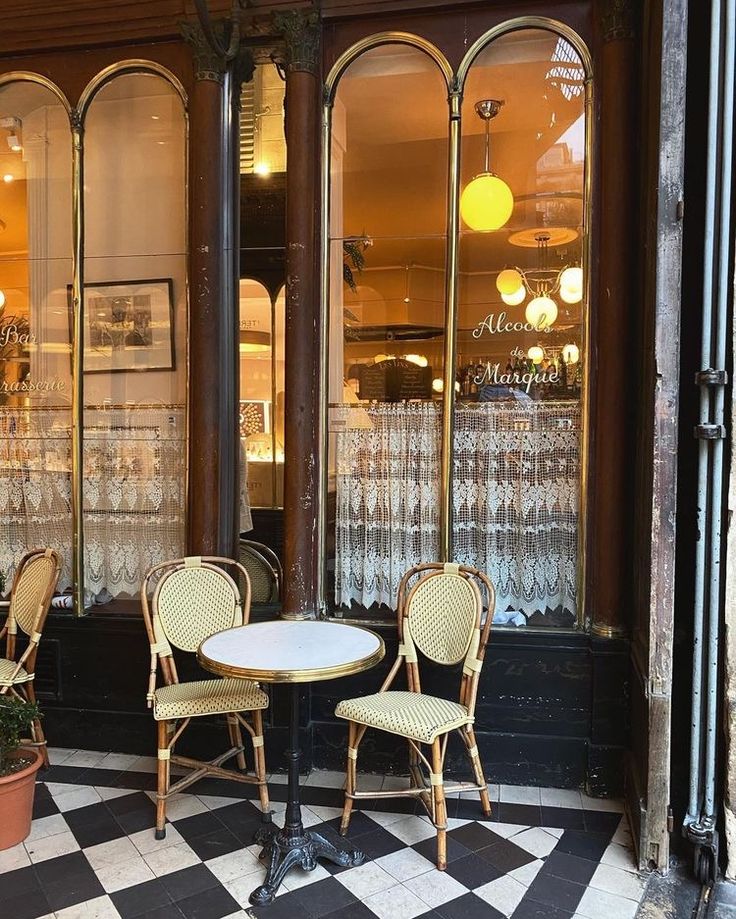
x,y
8,178
542,284
486,203
407,298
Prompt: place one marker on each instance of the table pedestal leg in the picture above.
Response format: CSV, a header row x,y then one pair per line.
x,y
293,846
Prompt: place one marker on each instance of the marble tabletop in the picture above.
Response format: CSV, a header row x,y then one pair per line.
x,y
289,651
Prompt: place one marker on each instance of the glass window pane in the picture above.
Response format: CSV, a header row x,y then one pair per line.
x,y
135,326
387,317
521,356
35,322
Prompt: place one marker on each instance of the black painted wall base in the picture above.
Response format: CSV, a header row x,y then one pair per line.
x,y
552,709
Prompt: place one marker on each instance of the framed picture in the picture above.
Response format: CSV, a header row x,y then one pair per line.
x,y
128,326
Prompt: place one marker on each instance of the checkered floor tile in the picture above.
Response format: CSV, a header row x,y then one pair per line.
x,y
545,854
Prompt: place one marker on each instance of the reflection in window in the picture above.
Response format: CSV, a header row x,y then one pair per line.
x,y
387,320
517,440
35,352
135,327
262,394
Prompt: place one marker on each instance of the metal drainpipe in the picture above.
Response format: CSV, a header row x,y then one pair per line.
x,y
700,823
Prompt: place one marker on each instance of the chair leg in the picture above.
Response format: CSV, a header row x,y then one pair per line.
x,y
236,740
440,807
351,769
259,755
39,737
416,780
474,756
162,789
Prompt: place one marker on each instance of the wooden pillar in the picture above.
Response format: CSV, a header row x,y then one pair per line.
x,y
301,447
213,307
614,342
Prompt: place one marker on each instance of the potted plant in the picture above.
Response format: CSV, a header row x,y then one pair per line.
x,y
18,768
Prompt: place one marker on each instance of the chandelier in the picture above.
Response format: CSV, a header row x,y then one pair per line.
x,y
542,284
486,202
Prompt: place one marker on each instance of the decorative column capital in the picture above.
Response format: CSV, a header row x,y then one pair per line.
x,y
618,20
301,34
209,61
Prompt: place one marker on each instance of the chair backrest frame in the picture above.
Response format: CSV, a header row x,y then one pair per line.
x,y
161,650
32,618
474,653
268,559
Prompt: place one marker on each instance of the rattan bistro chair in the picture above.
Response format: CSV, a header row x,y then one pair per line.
x,y
440,615
264,569
184,602
34,584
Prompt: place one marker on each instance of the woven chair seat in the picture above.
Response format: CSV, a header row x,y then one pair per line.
x,y
207,697
7,668
408,714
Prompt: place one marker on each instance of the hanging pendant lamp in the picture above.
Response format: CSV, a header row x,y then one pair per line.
x,y
486,203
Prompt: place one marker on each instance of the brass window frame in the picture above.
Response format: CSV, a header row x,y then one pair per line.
x,y
76,115
455,81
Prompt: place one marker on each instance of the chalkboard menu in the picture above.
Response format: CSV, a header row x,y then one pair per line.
x,y
394,381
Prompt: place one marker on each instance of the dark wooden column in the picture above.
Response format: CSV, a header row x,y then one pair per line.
x,y
213,308
301,447
614,313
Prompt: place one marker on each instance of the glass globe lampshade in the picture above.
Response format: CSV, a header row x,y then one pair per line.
x,y
486,203
515,298
571,354
541,312
419,359
571,285
535,354
438,384
509,281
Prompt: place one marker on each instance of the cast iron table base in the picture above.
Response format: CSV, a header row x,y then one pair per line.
x,y
293,846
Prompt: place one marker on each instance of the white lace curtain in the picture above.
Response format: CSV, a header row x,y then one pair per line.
x,y
133,492
516,484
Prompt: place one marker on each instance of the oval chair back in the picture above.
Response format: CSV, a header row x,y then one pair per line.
x,y
265,571
441,615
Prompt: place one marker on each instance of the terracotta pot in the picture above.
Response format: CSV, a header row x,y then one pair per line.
x,y
16,800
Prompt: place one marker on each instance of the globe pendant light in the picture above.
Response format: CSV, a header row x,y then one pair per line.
x,y
486,203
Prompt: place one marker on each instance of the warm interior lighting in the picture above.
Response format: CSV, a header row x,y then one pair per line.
x,y
438,384
486,203
535,354
8,177
419,359
541,312
509,281
571,284
254,342
516,298
571,354
262,169
2,299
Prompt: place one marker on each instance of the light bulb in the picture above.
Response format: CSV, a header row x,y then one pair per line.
x,y
262,169
516,298
571,354
535,354
509,281
486,203
419,359
541,312
2,299
571,285
438,384
8,177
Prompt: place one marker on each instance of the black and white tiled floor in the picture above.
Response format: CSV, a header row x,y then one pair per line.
x,y
545,854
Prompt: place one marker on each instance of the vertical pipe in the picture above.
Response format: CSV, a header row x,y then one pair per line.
x,y
722,299
451,297
77,471
702,518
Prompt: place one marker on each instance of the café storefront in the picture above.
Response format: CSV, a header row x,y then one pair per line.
x,y
258,291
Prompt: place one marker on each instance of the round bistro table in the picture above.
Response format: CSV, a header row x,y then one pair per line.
x,y
295,652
